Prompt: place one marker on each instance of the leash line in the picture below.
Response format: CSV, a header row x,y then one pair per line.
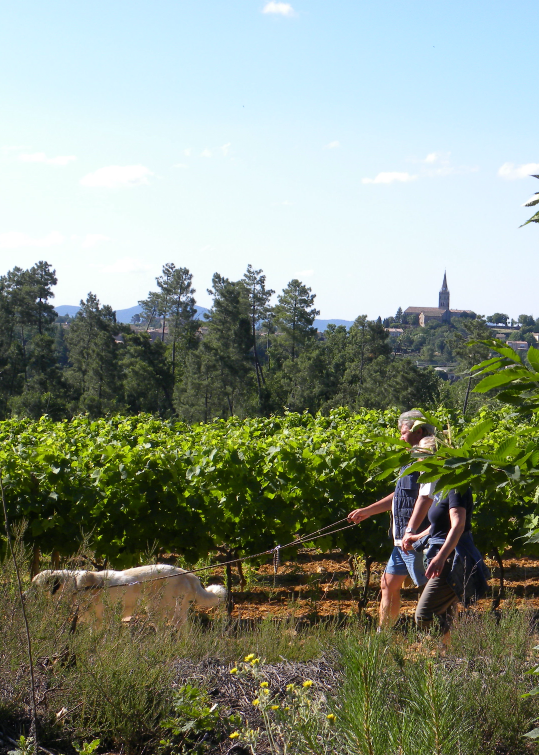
x,y
275,551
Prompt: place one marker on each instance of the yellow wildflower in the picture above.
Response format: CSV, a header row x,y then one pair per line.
x,y
249,657
234,735
255,661
256,702
263,684
308,683
234,670
265,691
275,707
290,687
331,717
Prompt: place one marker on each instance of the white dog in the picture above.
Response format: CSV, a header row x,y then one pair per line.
x,y
169,590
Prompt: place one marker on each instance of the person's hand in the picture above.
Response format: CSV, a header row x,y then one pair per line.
x,y
435,567
357,516
408,542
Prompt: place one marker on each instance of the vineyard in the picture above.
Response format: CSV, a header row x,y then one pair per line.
x,y
127,487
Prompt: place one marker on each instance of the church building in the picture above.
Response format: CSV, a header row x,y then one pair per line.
x,y
441,313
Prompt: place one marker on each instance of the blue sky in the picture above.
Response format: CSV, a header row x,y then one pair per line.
x,y
362,147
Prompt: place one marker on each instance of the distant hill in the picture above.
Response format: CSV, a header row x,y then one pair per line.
x,y
122,315
125,315
321,325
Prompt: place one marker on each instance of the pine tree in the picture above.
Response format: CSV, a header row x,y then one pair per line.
x,y
182,323
259,312
218,377
295,315
93,357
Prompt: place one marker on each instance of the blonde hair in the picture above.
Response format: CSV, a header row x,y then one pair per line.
x,y
428,442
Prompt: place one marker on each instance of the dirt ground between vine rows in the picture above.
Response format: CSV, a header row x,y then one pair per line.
x,y
325,584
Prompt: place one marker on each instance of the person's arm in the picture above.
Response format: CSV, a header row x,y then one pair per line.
x,y
409,540
422,505
457,516
384,504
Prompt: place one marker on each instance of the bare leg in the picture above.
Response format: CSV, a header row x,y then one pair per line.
x,y
391,598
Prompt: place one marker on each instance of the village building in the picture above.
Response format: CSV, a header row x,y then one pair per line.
x,y
441,313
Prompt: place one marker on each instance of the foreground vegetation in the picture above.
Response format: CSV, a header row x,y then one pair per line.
x,y
275,688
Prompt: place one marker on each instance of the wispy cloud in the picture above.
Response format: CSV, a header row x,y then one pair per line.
x,y
16,240
333,145
41,157
434,165
436,157
389,178
511,171
225,149
281,9
304,274
205,153
126,265
117,176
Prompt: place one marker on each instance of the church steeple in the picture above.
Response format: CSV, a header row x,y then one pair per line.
x,y
443,297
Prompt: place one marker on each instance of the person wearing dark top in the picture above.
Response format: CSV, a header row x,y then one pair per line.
x,y
449,517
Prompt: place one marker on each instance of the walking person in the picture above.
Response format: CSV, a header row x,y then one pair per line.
x,y
408,496
455,568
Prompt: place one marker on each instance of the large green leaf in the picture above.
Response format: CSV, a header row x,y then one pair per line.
x,y
510,375
477,432
533,219
505,351
533,358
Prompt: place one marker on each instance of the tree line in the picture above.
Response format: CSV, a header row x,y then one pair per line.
x,y
247,357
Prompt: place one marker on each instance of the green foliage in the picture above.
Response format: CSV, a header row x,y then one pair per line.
x,y
294,316
245,484
531,203
194,719
25,746
87,748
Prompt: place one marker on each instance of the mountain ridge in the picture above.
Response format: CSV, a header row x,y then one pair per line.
x,y
125,315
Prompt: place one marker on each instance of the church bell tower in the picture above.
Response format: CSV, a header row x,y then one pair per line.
x,y
443,296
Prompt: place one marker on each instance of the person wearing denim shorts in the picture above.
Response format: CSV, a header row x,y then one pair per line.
x,y
407,495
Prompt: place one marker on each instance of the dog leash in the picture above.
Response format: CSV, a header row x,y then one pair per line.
x,y
275,551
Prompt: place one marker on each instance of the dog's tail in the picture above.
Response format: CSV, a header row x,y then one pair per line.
x,y
210,596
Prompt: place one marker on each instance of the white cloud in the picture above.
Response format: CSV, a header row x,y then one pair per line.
x,y
304,274
389,178
432,158
15,240
512,171
281,9
116,176
126,265
436,157
187,152
205,153
333,145
226,149
41,157
92,239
